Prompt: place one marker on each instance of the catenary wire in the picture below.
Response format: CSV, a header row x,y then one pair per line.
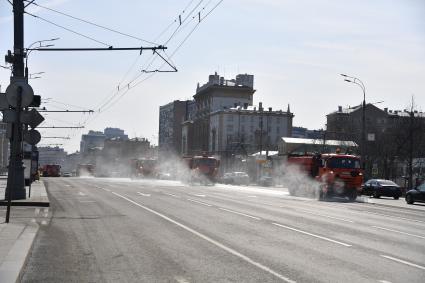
x,y
68,29
96,25
117,98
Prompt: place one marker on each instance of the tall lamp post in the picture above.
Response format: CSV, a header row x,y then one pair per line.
x,y
358,82
40,45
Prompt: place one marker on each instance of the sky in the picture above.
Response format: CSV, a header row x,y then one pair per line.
x,y
296,50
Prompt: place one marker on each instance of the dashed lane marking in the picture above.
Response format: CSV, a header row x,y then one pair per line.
x,y
313,235
212,241
181,279
171,195
399,232
323,215
200,202
252,196
404,262
239,213
196,195
81,194
392,216
142,194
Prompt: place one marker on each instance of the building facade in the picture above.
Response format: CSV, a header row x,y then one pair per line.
x,y
115,133
91,141
216,95
51,155
171,117
244,130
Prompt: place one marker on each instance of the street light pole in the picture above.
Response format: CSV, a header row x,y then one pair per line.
x,y
358,82
39,42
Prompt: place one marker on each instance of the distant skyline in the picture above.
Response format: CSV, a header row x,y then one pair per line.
x,y
296,50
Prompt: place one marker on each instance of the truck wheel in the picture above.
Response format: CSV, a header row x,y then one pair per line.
x,y
352,196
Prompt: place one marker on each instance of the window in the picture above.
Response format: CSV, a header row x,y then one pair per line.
x,y
277,130
229,128
337,162
229,117
243,118
277,120
242,128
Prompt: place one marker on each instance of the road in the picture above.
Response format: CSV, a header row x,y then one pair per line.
x,y
118,230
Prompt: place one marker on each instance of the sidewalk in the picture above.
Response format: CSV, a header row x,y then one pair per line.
x,y
17,236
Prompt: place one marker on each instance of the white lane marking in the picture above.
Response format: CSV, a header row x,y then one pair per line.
x,y
252,196
87,201
171,195
200,202
240,213
145,195
196,195
392,216
81,193
403,261
384,281
400,232
181,279
324,215
210,240
107,190
67,185
313,235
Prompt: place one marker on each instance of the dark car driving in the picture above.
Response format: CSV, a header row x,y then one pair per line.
x,y
417,194
379,187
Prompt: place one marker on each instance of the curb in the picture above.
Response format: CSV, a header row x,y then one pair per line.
x,y
11,269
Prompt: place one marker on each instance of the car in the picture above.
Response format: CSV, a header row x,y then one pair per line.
x,y
235,178
416,195
380,187
164,176
266,181
67,174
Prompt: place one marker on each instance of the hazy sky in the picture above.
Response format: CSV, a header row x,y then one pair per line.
x,y
295,48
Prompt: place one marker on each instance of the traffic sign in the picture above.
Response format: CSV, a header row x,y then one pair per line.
x,y
12,93
32,137
31,118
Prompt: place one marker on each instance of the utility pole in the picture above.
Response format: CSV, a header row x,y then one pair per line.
x,y
15,182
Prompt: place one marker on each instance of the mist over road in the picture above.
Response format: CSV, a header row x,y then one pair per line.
x,y
118,230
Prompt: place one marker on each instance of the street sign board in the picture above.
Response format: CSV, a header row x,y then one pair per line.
x,y
12,93
32,137
31,118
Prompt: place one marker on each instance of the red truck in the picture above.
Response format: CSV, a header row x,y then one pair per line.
x,y
203,168
51,170
144,168
338,174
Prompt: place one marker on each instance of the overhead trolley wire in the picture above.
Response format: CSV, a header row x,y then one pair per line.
x,y
132,83
68,29
94,24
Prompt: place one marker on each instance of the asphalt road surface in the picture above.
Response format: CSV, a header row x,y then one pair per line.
x,y
117,230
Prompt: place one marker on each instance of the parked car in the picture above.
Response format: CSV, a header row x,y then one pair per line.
x,y
266,181
380,187
416,194
236,178
67,174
